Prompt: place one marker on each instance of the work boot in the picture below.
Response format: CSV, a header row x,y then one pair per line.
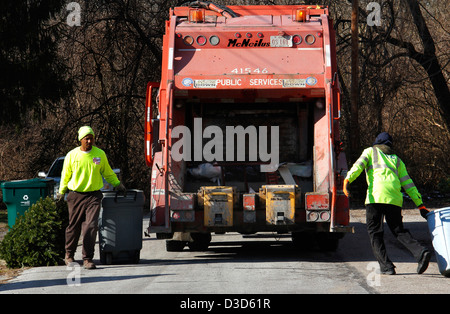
x,y
423,261
388,271
88,264
69,259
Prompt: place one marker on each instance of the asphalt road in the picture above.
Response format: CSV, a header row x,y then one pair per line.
x,y
258,264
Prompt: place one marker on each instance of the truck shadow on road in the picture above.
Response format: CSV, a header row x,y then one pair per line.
x,y
67,282
253,249
279,248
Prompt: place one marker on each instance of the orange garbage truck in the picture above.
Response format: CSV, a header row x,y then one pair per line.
x,y
242,131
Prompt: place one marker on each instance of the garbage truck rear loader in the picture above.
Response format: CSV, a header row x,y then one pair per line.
x,y
242,131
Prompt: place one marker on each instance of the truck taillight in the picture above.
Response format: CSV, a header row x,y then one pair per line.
x,y
310,39
317,201
296,39
325,216
188,40
182,215
214,40
317,207
318,216
312,216
201,40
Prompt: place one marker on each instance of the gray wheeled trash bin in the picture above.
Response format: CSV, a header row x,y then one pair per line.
x,y
120,227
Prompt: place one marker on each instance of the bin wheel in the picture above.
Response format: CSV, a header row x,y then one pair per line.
x,y
175,245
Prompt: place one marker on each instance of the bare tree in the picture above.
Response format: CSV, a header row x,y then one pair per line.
x,y
117,49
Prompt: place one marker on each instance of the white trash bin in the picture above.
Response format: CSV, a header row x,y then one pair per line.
x,y
439,226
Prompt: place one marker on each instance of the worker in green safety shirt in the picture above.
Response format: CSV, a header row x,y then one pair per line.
x,y
81,176
386,174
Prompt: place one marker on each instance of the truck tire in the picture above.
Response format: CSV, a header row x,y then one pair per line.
x,y
108,258
200,241
303,240
328,242
136,257
175,245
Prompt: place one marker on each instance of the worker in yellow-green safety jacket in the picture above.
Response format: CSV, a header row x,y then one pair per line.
x,y
81,176
386,175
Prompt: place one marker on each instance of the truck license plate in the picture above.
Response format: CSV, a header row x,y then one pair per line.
x,y
281,41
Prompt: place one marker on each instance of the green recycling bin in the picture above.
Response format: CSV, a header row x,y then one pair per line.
x,y
19,195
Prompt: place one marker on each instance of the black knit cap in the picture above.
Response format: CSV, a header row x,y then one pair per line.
x,y
383,138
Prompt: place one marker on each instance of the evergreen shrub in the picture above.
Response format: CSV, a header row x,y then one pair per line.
x,y
38,237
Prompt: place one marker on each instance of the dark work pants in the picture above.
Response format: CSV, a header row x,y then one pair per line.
x,y
84,210
393,214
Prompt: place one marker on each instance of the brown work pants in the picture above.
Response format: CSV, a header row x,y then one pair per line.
x,y
84,209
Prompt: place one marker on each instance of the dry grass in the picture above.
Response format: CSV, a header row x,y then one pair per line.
x,y
6,273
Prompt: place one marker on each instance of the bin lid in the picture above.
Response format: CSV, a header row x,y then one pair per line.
x,y
440,210
32,183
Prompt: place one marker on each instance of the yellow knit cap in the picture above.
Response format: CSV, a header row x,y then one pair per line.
x,y
83,131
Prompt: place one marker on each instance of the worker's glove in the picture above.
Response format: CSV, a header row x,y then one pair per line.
x,y
423,211
60,197
346,192
121,188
